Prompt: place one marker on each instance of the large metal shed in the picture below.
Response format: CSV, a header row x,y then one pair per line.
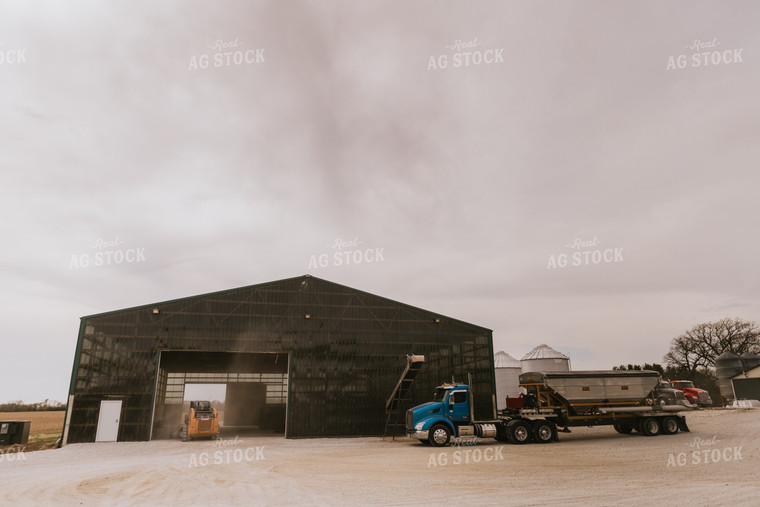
x,y
327,354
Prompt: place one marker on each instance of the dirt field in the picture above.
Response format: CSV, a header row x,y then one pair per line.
x,y
45,429
715,464
42,422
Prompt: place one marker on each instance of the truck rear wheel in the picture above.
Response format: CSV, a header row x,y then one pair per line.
x,y
439,435
625,429
543,431
669,425
650,426
518,432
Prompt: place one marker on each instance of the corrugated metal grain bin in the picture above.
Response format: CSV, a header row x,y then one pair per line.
x,y
545,358
727,365
507,371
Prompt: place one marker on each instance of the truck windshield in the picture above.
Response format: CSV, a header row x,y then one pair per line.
x,y
440,394
686,385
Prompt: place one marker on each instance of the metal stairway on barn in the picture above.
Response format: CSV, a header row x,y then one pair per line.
x,y
401,394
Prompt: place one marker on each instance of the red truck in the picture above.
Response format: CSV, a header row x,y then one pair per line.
x,y
692,393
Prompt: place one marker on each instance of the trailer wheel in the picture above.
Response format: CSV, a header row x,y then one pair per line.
x,y
625,429
439,435
518,432
650,426
543,432
669,425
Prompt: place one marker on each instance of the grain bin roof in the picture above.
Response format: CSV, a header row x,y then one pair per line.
x,y
503,360
544,351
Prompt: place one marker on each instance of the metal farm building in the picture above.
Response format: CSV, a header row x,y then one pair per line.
x,y
321,356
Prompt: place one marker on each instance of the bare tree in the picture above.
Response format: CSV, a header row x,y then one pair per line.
x,y
698,347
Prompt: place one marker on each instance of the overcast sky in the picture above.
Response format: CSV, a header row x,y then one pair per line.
x,y
313,122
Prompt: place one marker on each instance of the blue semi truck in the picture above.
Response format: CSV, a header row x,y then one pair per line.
x,y
553,401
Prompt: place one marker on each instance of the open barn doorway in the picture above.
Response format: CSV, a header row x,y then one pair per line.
x,y
255,389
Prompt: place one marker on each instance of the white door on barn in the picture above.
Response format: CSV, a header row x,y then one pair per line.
x,y
108,421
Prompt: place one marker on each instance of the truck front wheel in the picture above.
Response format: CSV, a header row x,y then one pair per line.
x,y
439,435
518,432
650,426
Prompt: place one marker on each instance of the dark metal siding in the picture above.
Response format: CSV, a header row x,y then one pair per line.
x,y
747,389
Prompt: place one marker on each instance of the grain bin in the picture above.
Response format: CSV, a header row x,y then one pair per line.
x,y
727,365
507,370
544,358
750,360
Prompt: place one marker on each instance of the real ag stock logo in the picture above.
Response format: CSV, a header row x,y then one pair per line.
x,y
710,454
11,56
465,54
345,253
223,53
107,253
704,54
466,456
224,456
13,454
584,253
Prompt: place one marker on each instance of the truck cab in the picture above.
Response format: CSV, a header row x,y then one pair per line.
x,y
437,421
665,394
694,394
